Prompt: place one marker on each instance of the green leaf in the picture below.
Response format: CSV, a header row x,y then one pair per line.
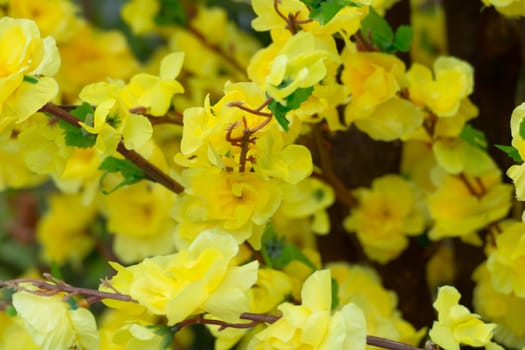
x,y
11,311
511,152
293,101
278,253
171,12
522,128
73,305
377,28
78,137
30,80
323,11
126,168
335,294
403,38
474,136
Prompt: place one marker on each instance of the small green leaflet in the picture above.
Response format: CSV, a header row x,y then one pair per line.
x,y
292,102
474,136
522,128
77,137
511,152
335,294
10,311
30,80
166,333
324,10
377,29
126,168
171,12
278,253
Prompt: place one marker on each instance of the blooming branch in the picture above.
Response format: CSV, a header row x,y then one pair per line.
x,y
152,172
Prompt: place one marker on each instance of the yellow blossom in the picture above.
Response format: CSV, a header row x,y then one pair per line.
x,y
459,211
511,8
63,231
456,324
268,17
26,63
139,215
195,280
112,120
139,15
505,261
362,286
506,310
13,334
14,170
308,198
374,79
233,202
93,56
299,64
312,325
53,325
155,92
386,214
53,17
453,80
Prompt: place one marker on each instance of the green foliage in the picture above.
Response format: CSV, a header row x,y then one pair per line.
x,y
335,291
474,136
379,31
10,311
30,80
292,102
511,152
126,168
171,12
324,10
522,128
278,253
78,137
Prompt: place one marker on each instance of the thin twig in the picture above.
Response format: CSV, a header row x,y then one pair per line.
x,y
152,171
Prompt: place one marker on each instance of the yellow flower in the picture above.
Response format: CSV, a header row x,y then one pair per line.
x,y
453,81
112,120
92,56
53,17
26,62
139,15
511,8
505,261
312,325
457,212
53,325
139,216
236,203
156,92
63,231
374,79
308,199
362,286
299,64
506,310
198,279
456,324
268,18
386,214
13,335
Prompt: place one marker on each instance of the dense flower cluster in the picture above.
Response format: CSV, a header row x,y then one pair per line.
x,y
200,169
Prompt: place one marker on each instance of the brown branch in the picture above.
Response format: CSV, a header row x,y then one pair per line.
x,y
172,117
52,286
342,193
229,59
151,171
